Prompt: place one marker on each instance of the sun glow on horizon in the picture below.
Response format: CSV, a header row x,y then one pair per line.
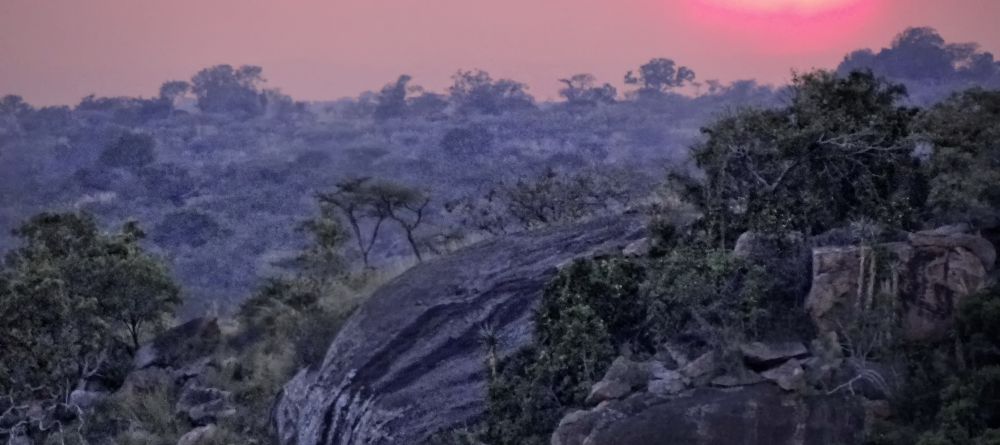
x,y
784,26
803,7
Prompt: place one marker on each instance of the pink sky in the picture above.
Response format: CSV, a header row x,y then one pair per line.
x,y
57,51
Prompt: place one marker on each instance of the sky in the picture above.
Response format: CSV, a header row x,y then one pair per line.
x,y
58,51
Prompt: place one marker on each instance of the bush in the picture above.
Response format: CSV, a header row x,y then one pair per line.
x,y
952,392
710,295
588,311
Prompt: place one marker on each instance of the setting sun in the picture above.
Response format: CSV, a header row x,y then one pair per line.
x,y
784,26
805,7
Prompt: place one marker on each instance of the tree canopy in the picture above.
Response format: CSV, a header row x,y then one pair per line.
x,y
71,296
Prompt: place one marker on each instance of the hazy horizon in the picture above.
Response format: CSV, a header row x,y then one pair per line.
x,y
58,51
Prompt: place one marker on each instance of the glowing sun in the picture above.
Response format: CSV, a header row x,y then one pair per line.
x,y
804,7
784,26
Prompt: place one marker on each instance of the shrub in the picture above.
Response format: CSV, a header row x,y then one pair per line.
x,y
587,311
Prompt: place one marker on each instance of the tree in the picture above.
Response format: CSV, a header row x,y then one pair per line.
x,y
69,296
15,106
965,164
391,101
840,151
130,151
922,54
173,89
321,262
354,201
224,89
582,89
467,141
476,91
658,77
139,292
404,205
549,198
367,204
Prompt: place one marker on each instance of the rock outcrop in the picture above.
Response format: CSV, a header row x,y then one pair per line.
x,y
180,346
928,275
410,363
654,404
761,414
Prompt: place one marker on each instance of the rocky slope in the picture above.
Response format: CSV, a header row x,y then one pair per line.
x,y
800,391
410,361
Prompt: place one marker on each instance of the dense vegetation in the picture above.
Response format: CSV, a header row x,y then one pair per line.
x,y
843,153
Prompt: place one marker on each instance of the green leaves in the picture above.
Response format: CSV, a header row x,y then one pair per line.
x,y
965,167
70,294
840,150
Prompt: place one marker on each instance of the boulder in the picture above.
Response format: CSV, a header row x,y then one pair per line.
x,y
769,354
180,346
749,415
928,275
630,373
703,368
409,363
203,405
739,377
790,376
608,390
203,435
667,383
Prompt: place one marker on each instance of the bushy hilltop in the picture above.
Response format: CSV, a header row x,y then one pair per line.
x,y
220,170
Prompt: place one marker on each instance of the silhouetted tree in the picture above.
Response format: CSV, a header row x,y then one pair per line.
x,y
476,91
582,89
658,77
223,89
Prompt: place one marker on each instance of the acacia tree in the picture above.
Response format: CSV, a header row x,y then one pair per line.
x,y
69,297
405,206
354,201
366,204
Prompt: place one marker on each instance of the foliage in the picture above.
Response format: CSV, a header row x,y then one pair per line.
x,y
130,150
224,89
365,204
589,310
477,92
659,76
841,150
709,295
467,141
391,101
922,54
69,296
953,388
965,164
582,90
550,198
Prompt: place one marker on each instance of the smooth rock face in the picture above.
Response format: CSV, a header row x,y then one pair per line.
x,y
932,272
749,415
409,362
